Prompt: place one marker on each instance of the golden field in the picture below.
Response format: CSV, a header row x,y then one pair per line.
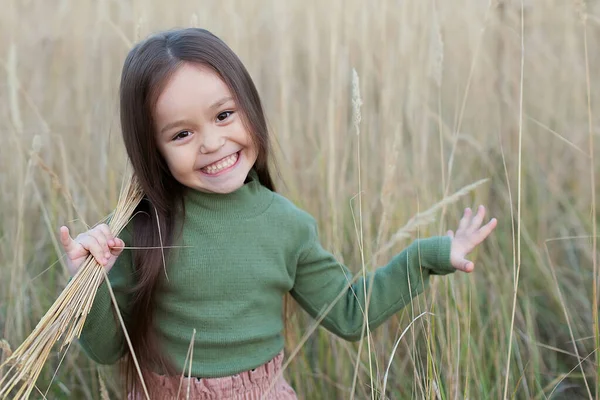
x,y
452,92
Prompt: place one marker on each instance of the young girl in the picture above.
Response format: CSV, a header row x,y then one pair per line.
x,y
195,133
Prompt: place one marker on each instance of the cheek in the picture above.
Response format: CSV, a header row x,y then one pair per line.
x,y
178,161
239,133
246,140
251,149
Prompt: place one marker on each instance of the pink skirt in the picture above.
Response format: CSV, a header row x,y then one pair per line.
x,y
248,385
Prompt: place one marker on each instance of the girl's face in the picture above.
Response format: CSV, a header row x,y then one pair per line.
x,y
200,134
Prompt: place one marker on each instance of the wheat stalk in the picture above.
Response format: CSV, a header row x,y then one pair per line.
x,y
426,217
103,391
5,347
356,118
66,317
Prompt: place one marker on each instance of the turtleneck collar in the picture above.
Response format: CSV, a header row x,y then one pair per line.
x,y
248,201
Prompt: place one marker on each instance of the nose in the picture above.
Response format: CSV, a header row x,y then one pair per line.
x,y
211,142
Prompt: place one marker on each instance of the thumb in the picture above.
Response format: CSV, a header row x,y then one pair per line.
x,y
65,238
465,265
117,248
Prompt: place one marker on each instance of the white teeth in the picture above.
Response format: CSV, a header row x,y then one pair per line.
x,y
221,164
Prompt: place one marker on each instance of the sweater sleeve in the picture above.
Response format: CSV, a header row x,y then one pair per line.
x,y
321,279
102,337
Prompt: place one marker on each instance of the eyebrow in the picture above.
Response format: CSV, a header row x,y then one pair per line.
x,y
174,124
219,103
180,122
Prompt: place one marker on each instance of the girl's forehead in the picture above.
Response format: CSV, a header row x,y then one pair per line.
x,y
191,87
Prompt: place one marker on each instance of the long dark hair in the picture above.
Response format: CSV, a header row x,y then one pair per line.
x,y
146,71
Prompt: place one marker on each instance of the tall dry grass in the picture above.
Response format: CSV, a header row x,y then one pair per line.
x,y
452,92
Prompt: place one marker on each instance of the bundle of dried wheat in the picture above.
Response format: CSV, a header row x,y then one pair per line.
x,y
66,317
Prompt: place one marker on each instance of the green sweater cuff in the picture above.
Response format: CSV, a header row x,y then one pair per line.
x,y
435,254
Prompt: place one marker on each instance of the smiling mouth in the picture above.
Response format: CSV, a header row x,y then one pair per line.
x,y
221,165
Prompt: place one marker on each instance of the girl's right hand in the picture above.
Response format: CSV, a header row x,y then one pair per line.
x,y
99,241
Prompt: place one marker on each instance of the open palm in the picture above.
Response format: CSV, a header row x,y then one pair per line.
x,y
469,234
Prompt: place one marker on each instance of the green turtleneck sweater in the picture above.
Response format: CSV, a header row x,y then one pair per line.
x,y
240,254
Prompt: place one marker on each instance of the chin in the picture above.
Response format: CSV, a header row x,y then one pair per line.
x,y
221,189
225,190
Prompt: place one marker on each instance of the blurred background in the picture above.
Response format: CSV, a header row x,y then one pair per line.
x,y
453,93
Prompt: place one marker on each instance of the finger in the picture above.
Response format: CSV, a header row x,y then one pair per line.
x,y
464,222
477,219
91,244
485,230
100,235
450,234
107,232
65,238
466,266
118,247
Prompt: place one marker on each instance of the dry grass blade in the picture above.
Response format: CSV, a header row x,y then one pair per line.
x,y
66,317
5,347
427,216
103,390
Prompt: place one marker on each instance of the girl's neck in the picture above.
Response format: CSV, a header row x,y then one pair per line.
x,y
249,200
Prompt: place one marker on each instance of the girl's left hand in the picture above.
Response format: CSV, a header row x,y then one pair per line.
x,y
469,234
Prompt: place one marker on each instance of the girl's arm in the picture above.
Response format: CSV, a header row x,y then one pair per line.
x,y
320,279
102,338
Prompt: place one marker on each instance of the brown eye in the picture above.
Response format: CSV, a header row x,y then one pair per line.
x,y
182,135
224,115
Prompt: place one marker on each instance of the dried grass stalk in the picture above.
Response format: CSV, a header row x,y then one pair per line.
x,y
103,391
65,319
427,216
